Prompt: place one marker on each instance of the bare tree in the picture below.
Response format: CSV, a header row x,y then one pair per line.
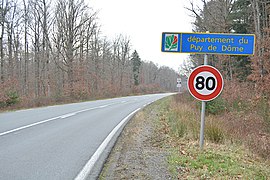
x,y
26,48
4,9
125,56
70,17
40,24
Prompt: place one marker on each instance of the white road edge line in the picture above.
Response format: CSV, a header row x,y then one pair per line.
x,y
51,119
91,162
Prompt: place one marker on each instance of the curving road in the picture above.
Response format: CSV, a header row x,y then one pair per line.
x,y
64,141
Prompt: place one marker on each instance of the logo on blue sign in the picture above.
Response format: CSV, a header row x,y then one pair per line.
x,y
171,42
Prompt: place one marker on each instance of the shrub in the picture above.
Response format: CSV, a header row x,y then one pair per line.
x,y
264,111
13,98
178,127
181,129
8,99
216,106
2,104
214,133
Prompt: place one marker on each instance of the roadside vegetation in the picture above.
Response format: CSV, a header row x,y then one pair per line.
x,y
237,143
237,132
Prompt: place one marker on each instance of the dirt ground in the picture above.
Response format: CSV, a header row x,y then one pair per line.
x,y
138,153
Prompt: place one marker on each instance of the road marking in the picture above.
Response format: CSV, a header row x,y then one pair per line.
x,y
28,126
52,119
67,115
91,162
89,109
24,110
103,106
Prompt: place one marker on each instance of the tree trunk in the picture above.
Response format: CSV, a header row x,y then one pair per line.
x,y
3,14
26,50
2,53
258,32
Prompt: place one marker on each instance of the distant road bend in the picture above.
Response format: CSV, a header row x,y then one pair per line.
x,y
64,141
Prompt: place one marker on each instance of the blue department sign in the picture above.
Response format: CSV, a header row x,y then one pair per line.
x,y
208,43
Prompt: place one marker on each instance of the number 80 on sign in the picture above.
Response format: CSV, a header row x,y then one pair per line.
x,y
205,83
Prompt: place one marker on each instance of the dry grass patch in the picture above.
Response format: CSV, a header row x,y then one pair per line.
x,y
225,155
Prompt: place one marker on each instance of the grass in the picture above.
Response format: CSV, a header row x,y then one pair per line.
x,y
214,131
223,157
215,162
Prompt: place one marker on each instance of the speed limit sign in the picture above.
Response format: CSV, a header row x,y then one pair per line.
x,y
205,83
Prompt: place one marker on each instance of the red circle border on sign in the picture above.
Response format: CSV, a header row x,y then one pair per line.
x,y
214,94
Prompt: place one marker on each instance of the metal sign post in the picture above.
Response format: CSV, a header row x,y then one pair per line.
x,y
203,113
178,85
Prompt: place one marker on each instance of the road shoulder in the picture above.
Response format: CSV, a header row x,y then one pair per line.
x,y
138,153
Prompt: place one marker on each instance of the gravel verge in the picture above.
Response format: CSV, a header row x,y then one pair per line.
x,y
138,153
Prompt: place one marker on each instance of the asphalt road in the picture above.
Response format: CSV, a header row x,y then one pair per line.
x,y
62,142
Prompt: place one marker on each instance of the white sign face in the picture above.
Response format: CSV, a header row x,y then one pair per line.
x,y
205,83
178,80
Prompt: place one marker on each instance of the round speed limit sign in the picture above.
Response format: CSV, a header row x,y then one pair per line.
x,y
205,83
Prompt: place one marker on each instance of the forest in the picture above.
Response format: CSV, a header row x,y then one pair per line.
x,y
55,52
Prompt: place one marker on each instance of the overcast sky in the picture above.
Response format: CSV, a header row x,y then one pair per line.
x,y
144,21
